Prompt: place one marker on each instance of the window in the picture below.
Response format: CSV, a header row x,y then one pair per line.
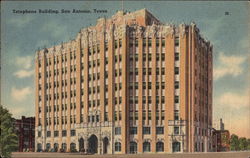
x,y
146,147
106,46
149,115
39,134
133,147
176,84
97,118
176,99
176,70
133,130
106,116
159,130
48,146
136,115
149,42
48,133
118,146
117,130
116,43
64,133
136,42
163,115
162,71
149,58
157,42
176,42
56,133
176,115
72,132
144,42
159,147
144,115
176,130
163,42
146,130
72,146
163,57
115,116
64,146
176,56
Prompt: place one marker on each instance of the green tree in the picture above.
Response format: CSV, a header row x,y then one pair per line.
x,y
8,138
243,143
248,144
234,142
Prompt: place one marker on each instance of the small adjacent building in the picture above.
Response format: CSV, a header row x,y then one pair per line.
x,y
221,139
25,130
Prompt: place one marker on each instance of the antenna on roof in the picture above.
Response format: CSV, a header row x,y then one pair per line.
x,y
122,6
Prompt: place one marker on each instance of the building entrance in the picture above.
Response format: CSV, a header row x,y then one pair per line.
x,y
93,144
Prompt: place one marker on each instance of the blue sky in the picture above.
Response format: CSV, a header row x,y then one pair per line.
x,y
23,34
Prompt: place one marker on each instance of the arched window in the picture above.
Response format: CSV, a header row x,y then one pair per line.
x,y
176,146
56,146
118,146
72,147
47,146
64,146
159,147
146,147
133,147
39,147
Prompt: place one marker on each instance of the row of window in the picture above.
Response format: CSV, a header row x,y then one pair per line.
x,y
56,133
134,99
145,57
135,117
146,130
147,71
149,43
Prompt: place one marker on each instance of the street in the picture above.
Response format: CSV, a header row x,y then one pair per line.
x,y
180,155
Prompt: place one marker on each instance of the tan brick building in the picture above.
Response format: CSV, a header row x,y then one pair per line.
x,y
130,84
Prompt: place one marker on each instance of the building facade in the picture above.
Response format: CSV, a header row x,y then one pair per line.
x,y
130,84
223,140
25,130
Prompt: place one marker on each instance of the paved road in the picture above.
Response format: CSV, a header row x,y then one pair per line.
x,y
181,155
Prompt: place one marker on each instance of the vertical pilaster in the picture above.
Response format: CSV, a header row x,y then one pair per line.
x,y
68,97
111,79
102,76
60,78
78,80
125,106
140,94
153,105
51,91
43,97
169,86
86,78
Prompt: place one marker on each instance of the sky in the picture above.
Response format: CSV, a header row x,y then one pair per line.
x,y
23,34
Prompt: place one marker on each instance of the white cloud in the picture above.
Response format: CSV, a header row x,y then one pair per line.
x,y
20,94
21,21
234,109
228,65
24,73
17,111
233,100
24,62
